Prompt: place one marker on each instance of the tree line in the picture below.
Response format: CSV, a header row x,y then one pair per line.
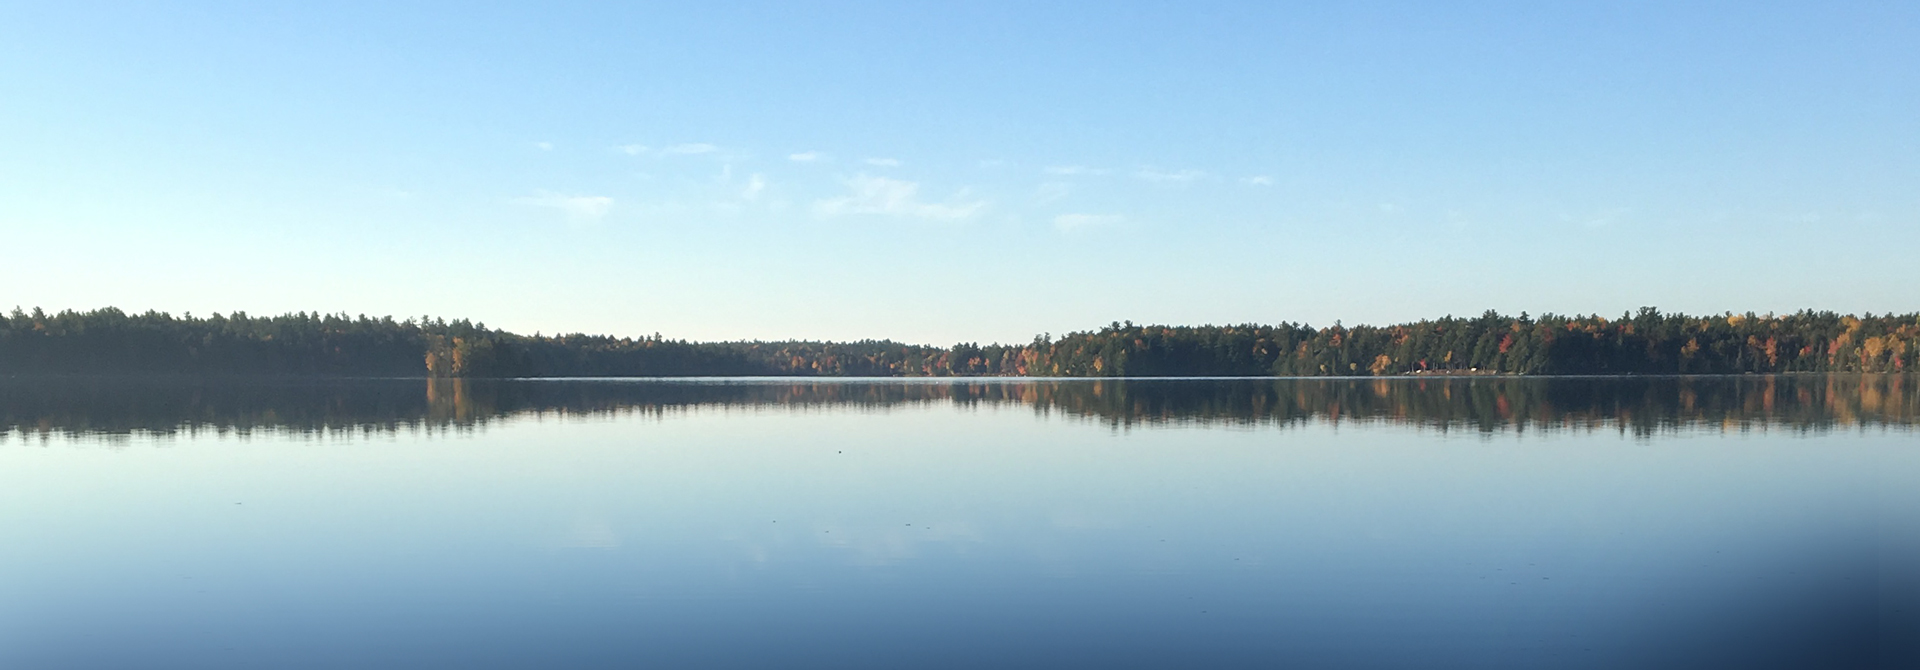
x,y
112,342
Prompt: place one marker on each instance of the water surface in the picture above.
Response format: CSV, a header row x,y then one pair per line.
x,y
1463,523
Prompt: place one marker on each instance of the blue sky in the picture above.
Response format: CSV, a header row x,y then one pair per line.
x,y
974,171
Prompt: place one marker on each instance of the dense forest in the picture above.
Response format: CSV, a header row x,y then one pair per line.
x,y
109,341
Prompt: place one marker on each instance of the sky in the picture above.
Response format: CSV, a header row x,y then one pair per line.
x,y
938,173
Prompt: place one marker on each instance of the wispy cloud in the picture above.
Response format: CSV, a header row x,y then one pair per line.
x,y
631,149
543,146
807,157
1619,214
1071,222
1257,180
1161,177
884,162
1071,170
755,184
689,149
577,207
1051,191
894,197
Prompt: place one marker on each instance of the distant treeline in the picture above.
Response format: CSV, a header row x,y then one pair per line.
x,y
109,341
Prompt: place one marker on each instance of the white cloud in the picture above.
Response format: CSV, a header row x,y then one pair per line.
x,y
631,149
1619,214
543,146
1070,170
1051,191
884,162
1159,177
1257,180
689,149
1588,220
894,197
1457,219
577,207
755,184
1079,221
807,157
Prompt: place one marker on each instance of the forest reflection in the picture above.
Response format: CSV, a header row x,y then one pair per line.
x,y
1642,406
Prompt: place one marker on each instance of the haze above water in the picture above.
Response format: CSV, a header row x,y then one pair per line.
x,y
1451,522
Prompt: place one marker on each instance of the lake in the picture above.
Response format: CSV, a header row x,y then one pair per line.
x,y
1463,522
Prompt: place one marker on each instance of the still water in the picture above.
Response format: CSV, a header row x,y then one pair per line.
x,y
1753,522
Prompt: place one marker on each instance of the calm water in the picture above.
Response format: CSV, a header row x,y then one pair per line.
x,y
1752,522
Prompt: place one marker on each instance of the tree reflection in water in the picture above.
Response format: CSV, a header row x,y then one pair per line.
x,y
1642,406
